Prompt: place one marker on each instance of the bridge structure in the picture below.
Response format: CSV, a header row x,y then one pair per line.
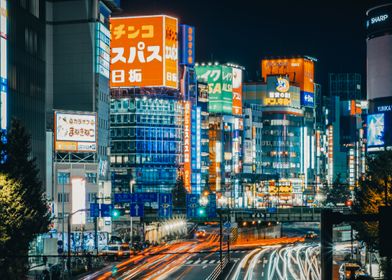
x,y
292,214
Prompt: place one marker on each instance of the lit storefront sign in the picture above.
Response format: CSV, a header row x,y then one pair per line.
x,y
144,51
330,152
187,146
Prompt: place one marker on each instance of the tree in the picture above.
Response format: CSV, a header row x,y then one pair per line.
x,y
32,215
337,193
374,191
179,193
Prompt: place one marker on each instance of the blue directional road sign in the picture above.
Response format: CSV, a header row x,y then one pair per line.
x,y
106,210
122,197
211,207
144,197
165,205
137,210
94,210
192,204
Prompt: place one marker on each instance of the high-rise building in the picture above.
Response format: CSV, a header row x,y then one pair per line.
x,y
345,85
284,104
77,89
23,60
379,82
225,130
147,107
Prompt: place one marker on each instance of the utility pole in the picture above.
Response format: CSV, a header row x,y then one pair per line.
x,y
220,238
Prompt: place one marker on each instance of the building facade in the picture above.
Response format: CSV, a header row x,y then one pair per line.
x,y
379,84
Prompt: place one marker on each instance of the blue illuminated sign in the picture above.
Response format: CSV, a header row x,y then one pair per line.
x,y
165,205
137,210
94,210
192,204
106,210
375,130
187,56
307,99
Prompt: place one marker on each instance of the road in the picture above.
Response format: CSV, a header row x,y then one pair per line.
x,y
196,259
290,262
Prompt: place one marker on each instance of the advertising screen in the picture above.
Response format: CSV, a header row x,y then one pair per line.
x,y
220,87
227,89
144,52
375,133
280,93
75,132
299,70
212,75
237,91
187,45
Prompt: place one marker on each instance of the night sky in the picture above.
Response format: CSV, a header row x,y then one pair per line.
x,y
244,31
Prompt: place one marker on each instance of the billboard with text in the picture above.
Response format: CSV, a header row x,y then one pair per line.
x,y
144,51
75,131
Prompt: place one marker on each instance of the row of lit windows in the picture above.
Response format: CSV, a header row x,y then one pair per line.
x,y
145,159
64,178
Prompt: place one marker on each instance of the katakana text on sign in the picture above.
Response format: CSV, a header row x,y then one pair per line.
x,y
144,52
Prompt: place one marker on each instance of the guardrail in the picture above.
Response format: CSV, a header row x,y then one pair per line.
x,y
218,269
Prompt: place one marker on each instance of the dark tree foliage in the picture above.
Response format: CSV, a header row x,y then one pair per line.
x,y
179,193
374,191
33,216
337,193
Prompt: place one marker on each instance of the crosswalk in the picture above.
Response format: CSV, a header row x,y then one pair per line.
x,y
202,262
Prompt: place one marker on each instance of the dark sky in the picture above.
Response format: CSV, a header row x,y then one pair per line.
x,y
245,31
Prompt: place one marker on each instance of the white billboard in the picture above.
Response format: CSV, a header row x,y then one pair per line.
x,y
75,131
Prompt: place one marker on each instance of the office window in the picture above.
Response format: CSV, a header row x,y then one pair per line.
x,y
63,178
91,197
61,195
91,178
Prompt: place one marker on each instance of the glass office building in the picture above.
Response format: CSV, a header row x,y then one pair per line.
x,y
146,135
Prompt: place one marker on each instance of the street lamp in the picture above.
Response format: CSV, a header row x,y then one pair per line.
x,y
131,183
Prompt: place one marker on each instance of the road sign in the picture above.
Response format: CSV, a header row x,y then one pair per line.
x,y
94,210
106,210
271,210
165,205
227,224
122,197
137,210
192,204
211,207
144,197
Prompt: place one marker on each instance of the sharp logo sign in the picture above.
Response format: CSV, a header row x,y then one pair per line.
x,y
378,19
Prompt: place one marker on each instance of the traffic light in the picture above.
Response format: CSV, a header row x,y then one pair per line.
x,y
117,213
201,212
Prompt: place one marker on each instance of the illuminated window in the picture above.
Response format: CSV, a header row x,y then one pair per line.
x,y
63,177
91,178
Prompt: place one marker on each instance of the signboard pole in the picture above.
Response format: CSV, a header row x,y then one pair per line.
x,y
96,229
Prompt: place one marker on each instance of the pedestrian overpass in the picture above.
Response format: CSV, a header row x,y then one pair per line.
x,y
292,214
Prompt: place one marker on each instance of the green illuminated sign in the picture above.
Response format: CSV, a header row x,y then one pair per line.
x,y
220,83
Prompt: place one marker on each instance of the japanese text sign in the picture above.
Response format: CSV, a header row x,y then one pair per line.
x,y
75,132
144,52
